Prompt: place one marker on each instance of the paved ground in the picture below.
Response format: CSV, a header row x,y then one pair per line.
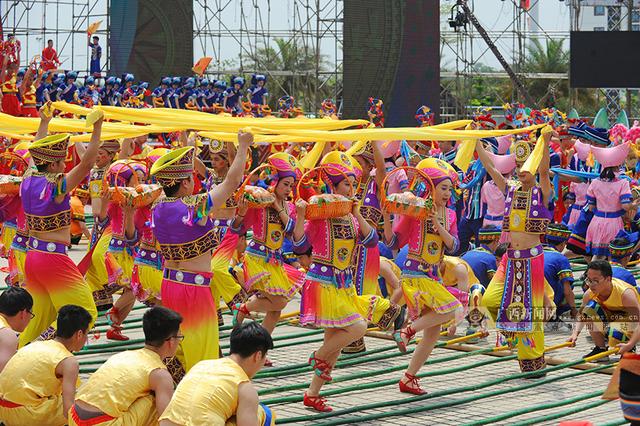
x,y
464,387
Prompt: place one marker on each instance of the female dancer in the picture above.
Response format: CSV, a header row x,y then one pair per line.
x,y
265,271
329,298
52,277
609,197
429,303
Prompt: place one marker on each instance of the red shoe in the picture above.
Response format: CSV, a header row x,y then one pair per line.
x,y
320,367
403,337
318,403
115,333
414,389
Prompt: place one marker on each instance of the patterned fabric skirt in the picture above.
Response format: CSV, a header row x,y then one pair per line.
x,y
271,278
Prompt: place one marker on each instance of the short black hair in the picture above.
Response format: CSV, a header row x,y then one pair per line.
x,y
502,249
171,191
15,299
42,167
49,41
159,324
96,38
72,318
249,338
601,265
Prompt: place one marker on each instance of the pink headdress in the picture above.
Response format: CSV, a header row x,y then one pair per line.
x,y
582,149
390,148
611,157
504,164
504,143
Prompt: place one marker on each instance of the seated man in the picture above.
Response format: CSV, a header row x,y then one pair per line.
x,y
482,259
217,391
620,250
38,384
558,273
610,306
15,313
132,387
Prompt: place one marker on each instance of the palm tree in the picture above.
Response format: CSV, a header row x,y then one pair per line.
x,y
294,69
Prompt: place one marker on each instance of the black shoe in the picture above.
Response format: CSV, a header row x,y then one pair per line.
x,y
598,350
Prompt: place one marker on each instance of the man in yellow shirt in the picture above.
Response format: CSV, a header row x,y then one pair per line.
x,y
38,384
132,387
15,313
219,392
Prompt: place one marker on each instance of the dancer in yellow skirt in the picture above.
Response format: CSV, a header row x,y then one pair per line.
x,y
264,268
429,302
329,297
38,384
134,387
219,392
186,235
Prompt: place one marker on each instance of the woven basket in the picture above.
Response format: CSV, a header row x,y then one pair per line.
x,y
139,196
325,206
248,191
10,185
402,204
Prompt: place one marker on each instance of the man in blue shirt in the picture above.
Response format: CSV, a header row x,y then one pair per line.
x,y
96,54
482,259
620,250
559,275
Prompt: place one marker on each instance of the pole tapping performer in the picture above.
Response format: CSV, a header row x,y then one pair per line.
x,y
516,296
186,236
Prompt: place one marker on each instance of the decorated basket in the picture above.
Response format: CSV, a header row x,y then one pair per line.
x,y
325,206
408,203
10,185
257,198
138,195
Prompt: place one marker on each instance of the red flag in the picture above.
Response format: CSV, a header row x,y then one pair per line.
x,y
201,66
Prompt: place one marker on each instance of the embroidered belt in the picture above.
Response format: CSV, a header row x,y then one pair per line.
x,y
48,246
185,277
526,253
20,242
489,217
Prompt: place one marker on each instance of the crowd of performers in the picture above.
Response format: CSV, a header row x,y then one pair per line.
x,y
500,219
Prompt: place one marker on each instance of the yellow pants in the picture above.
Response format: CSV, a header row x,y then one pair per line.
x,y
530,346
48,413
141,413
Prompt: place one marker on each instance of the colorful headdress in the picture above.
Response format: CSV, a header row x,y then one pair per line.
x,y
284,165
578,129
618,133
623,245
633,134
218,147
438,170
425,116
22,149
255,78
341,161
328,107
362,148
121,171
522,150
50,149
111,146
597,135
489,234
375,112
557,233
286,103
174,166
484,119
611,157
514,115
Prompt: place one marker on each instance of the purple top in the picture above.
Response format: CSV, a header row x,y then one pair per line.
x,y
38,192
175,226
525,211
